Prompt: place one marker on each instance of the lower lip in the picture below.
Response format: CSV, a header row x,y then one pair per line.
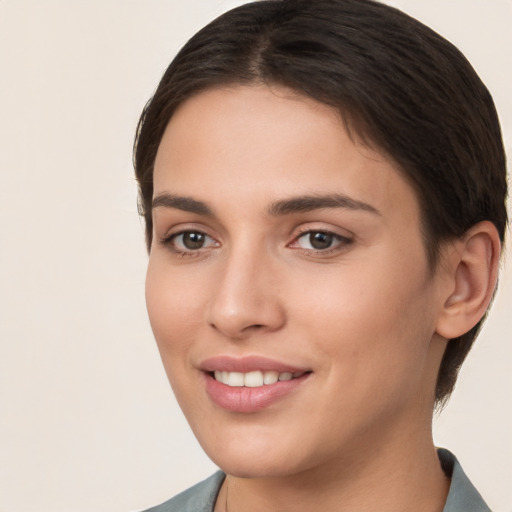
x,y
247,400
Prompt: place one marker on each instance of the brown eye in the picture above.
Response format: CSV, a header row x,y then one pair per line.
x,y
317,240
189,241
193,240
320,240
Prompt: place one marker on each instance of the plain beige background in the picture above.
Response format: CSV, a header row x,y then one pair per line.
x,y
87,420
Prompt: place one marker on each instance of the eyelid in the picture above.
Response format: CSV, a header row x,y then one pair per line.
x,y
167,240
184,227
343,240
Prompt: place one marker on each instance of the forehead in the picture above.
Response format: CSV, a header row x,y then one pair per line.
x,y
257,142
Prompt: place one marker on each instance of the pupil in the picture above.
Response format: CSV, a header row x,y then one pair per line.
x,y
320,240
193,240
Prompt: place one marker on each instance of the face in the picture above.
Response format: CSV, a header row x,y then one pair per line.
x,y
288,286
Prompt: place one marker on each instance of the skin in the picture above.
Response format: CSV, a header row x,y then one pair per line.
x,y
361,315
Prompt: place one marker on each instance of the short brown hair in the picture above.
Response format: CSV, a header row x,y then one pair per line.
x,y
397,84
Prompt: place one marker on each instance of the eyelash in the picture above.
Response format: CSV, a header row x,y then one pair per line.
x,y
341,241
169,242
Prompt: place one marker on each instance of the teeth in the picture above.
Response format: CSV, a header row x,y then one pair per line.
x,y
270,377
253,379
235,379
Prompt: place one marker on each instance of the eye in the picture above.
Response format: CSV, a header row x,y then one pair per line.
x,y
189,241
320,241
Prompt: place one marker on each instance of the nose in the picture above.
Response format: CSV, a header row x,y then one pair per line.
x,y
246,300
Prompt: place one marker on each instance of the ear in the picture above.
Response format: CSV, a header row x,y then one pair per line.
x,y
471,274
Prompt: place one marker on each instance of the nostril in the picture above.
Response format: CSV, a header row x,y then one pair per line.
x,y
254,327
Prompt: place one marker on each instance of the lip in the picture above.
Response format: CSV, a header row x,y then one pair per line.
x,y
247,364
246,399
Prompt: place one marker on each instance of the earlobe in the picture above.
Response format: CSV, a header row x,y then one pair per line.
x,y
472,268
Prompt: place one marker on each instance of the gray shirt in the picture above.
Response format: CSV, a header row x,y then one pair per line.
x,y
462,497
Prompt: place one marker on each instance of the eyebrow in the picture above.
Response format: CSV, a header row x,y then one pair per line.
x,y
186,204
298,204
317,202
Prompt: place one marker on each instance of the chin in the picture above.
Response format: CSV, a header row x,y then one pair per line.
x,y
254,455
256,467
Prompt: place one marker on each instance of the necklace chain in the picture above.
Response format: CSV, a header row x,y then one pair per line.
x,y
227,489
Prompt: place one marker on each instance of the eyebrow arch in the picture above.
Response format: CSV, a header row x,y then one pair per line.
x,y
187,204
316,202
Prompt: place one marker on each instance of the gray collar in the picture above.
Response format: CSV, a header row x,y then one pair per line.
x,y
462,496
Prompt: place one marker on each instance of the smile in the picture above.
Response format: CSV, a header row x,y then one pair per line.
x,y
254,379
250,383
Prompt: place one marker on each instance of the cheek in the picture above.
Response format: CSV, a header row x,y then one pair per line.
x,y
174,314
173,309
373,322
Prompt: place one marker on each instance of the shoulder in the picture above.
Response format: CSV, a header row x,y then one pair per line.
x,y
462,496
199,498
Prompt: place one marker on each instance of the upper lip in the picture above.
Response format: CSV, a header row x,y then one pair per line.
x,y
247,364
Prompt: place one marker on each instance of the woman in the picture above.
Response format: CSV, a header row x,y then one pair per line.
x,y
323,185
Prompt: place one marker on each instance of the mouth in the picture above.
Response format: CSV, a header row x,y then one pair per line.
x,y
252,383
254,379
